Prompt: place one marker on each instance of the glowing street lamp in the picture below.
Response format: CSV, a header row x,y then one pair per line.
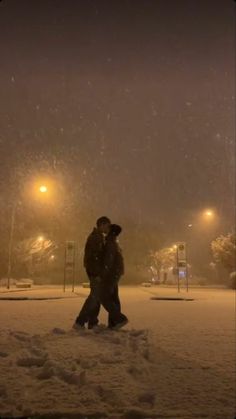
x,y
43,189
209,213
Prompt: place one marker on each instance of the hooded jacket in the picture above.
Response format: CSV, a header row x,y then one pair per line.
x,y
113,262
93,253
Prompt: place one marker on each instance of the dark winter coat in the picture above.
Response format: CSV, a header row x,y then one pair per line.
x,y
113,262
93,253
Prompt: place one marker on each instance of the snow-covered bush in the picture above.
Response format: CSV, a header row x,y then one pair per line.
x,y
224,251
25,281
4,282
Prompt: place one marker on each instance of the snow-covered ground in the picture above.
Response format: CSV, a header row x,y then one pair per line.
x,y
175,359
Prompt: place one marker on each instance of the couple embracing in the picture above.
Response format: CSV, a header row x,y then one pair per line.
x,y
104,265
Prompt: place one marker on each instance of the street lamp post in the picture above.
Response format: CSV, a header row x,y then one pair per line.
x,y
10,245
206,219
42,189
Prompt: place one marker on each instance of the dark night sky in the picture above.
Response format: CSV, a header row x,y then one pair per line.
x,y
138,97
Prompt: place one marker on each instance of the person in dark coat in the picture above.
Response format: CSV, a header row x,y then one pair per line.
x,y
113,269
93,263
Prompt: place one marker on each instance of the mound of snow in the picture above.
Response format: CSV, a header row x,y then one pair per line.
x,y
111,370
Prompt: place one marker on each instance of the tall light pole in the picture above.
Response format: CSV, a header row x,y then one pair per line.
x,y
12,227
199,230
42,189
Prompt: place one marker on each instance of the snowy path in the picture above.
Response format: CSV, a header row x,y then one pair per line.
x,y
175,359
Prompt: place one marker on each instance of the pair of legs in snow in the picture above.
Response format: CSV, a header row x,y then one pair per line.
x,y
107,295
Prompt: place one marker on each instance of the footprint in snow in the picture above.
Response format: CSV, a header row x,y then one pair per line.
x,y
58,331
30,361
3,354
22,336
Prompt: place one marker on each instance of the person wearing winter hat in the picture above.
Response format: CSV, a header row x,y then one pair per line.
x,y
113,269
93,263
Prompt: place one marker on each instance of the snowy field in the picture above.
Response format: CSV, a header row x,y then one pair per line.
x,y
175,359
